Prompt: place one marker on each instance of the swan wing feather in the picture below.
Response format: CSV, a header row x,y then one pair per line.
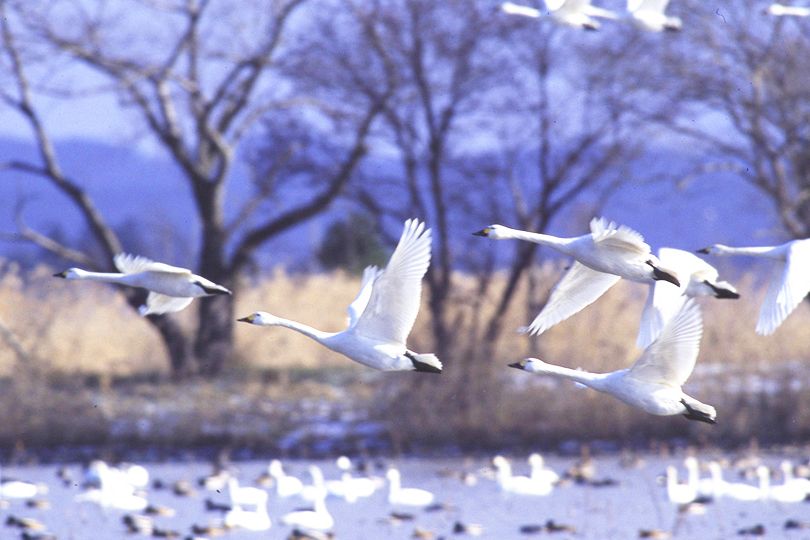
x,y
157,304
607,233
355,309
671,358
395,294
647,5
516,9
686,264
134,264
579,287
663,302
788,287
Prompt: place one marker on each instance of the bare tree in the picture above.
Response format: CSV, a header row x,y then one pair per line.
x,y
199,79
745,80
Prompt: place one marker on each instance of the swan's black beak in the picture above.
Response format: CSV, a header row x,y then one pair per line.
x,y
248,319
482,232
660,275
704,251
516,365
62,274
720,292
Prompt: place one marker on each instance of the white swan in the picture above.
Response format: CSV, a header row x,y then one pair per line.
x,y
377,338
286,485
649,15
679,493
789,284
245,495
18,489
317,489
170,288
604,256
318,518
705,487
791,479
697,278
733,490
539,471
785,493
781,10
654,382
251,520
519,485
576,13
349,487
400,496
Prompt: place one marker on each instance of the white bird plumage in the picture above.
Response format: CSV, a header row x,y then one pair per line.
x,y
400,496
576,13
781,10
653,383
650,15
789,284
697,278
518,485
377,337
286,485
171,288
610,252
318,518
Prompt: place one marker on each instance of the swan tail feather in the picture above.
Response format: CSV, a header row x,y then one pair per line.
x,y
427,363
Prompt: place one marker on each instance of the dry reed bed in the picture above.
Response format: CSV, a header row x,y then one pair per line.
x,y
87,329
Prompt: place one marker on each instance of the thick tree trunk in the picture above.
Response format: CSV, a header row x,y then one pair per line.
x,y
177,346
213,346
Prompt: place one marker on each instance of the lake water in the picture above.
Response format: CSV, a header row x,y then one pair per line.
x,y
637,502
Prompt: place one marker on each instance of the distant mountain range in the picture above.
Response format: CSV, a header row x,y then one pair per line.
x,y
146,197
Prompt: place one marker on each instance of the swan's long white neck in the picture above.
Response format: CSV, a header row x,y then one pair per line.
x,y
594,380
769,252
301,328
109,277
537,238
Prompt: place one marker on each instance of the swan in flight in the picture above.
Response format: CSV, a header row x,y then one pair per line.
x,y
398,495
697,277
377,337
610,252
781,10
789,284
171,288
654,382
649,15
576,13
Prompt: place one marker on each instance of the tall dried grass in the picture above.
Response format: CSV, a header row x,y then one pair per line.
x,y
68,329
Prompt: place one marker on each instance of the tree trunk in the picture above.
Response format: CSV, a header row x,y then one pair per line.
x,y
177,346
214,344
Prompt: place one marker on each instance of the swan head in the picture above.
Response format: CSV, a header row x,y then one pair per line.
x,y
500,462
496,232
536,460
343,463
275,468
70,273
260,318
528,364
392,475
714,249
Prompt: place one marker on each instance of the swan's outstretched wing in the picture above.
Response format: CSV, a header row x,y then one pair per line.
x,y
663,303
788,287
686,264
133,264
157,304
618,236
554,5
578,288
395,294
647,5
370,273
516,9
671,358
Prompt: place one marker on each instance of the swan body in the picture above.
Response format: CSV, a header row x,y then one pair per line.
x,y
251,520
575,13
398,495
653,383
318,519
697,278
790,478
317,489
115,489
732,490
789,284
377,337
610,252
784,493
17,489
781,10
518,485
541,473
171,288
349,487
650,15
286,486
245,495
679,493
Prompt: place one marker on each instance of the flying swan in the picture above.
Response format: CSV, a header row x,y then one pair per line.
x,y
377,336
171,288
610,252
697,277
789,284
654,382
781,10
576,13
649,15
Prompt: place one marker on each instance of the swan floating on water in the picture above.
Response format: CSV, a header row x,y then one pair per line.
x,y
286,485
398,495
318,519
654,382
377,337
610,252
171,288
518,485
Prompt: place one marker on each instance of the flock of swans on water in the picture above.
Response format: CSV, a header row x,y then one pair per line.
x,y
384,311
123,488
648,15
